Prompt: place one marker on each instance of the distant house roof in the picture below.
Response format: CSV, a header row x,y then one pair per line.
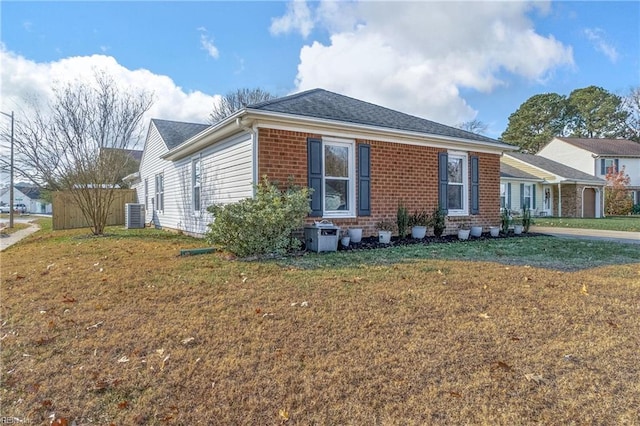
x,y
558,169
603,147
175,132
508,171
322,104
134,153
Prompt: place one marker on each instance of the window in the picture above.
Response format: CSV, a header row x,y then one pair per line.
x,y
503,196
195,183
457,184
608,165
527,197
338,182
146,194
160,192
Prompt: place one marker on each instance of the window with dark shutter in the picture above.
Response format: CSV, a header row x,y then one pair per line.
x,y
314,168
475,185
443,181
364,180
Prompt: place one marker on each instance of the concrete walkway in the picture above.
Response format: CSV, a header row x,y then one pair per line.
x,y
10,239
590,234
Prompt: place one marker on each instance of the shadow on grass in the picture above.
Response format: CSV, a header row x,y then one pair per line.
x,y
542,252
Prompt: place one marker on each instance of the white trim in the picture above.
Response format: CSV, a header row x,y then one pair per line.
x,y
464,156
351,180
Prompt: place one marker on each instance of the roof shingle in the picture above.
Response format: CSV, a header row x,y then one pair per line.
x,y
322,104
618,147
556,168
175,132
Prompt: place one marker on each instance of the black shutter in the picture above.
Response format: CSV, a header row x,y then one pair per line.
x,y
521,196
508,206
314,171
443,181
475,185
364,180
617,168
602,170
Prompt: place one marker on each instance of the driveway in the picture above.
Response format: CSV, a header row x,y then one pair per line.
x,y
590,234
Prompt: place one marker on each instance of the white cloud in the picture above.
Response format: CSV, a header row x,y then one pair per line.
x,y
22,79
597,38
207,44
417,56
298,18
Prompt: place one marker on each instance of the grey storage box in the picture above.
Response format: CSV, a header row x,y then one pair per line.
x,y
321,236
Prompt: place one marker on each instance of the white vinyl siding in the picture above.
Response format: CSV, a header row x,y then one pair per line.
x,y
226,176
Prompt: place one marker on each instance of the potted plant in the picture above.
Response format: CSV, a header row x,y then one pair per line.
x,y
402,220
476,231
494,231
355,234
385,227
345,239
517,226
463,231
419,222
437,221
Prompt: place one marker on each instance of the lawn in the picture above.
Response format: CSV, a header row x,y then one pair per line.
x,y
121,330
614,223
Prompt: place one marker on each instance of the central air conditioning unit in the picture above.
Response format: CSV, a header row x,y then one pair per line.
x,y
133,216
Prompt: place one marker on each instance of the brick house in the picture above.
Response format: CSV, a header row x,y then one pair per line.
x,y
361,160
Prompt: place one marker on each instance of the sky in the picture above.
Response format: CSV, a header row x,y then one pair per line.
x,y
449,62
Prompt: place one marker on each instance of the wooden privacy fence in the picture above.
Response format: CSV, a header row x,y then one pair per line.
x,y
67,214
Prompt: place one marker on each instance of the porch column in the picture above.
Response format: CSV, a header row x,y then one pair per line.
x,y
559,200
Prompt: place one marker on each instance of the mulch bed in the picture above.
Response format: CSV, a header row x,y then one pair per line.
x,y
370,243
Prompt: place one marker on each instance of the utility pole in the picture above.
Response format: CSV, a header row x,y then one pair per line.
x,y
10,173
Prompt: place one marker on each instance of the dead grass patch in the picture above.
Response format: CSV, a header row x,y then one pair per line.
x,y
120,330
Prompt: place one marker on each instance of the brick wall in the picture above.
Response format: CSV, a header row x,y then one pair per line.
x,y
399,173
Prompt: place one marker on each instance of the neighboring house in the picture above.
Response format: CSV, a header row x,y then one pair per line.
x,y
131,156
360,159
548,188
28,195
597,156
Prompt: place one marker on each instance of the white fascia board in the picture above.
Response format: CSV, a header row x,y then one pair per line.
x,y
539,180
205,138
280,121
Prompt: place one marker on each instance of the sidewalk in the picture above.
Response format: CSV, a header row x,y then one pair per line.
x,y
11,239
590,234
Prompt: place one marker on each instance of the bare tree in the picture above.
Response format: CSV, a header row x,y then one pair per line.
x,y
234,101
473,126
631,104
76,143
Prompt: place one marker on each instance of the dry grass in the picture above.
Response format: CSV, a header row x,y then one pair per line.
x,y
120,330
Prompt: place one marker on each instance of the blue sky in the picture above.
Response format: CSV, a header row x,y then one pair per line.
x,y
449,62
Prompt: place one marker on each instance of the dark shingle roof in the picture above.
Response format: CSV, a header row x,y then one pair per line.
x,y
33,192
175,132
556,168
322,104
622,147
507,171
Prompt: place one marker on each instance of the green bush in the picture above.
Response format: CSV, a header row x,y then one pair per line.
x,y
438,221
402,220
262,225
636,209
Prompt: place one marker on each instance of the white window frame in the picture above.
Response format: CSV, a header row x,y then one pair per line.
x,y
465,183
609,163
504,196
351,179
196,184
159,187
530,197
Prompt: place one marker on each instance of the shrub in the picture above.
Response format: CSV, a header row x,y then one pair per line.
x,y
505,220
402,220
262,225
437,221
419,218
636,209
